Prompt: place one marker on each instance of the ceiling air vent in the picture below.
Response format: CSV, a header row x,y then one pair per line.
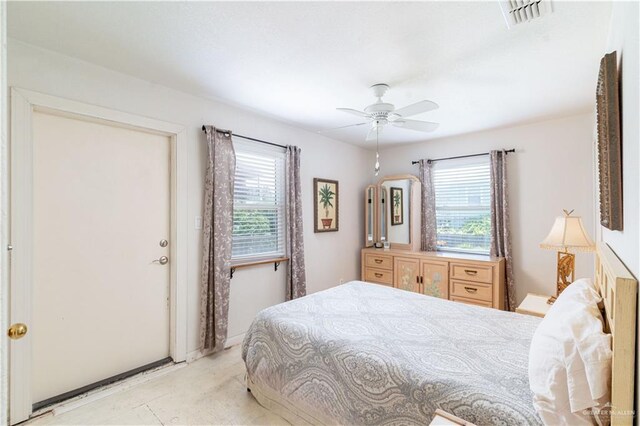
x,y
519,11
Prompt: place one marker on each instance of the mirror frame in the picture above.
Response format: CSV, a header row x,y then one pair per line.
x,y
382,213
374,212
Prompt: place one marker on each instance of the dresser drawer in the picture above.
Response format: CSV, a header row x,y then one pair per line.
x,y
472,272
379,276
470,290
472,302
381,261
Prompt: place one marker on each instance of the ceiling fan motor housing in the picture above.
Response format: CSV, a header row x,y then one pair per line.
x,y
380,111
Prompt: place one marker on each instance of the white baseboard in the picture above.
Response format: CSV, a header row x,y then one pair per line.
x,y
231,341
235,340
193,355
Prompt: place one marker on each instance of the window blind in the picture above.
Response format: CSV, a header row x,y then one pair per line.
x,y
463,209
258,203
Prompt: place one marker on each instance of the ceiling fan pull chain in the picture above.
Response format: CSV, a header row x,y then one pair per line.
x,y
376,168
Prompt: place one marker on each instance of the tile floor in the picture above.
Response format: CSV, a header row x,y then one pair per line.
x,y
209,391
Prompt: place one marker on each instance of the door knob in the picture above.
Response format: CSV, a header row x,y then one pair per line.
x,y
163,260
17,331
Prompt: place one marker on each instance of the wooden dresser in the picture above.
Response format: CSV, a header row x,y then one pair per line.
x,y
466,278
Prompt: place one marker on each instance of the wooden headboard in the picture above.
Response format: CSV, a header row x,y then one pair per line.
x,y
619,290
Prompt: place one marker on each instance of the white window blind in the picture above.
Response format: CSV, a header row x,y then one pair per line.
x,y
463,209
258,204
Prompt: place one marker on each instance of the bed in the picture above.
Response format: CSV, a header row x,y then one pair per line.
x,y
362,353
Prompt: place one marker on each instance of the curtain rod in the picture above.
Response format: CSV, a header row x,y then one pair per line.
x,y
204,129
463,156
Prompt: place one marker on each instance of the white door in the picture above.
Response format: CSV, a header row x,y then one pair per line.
x,y
101,206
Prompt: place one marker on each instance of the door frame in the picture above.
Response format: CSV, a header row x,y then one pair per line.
x,y
23,104
4,221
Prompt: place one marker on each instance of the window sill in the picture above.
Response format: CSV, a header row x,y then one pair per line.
x,y
276,262
475,253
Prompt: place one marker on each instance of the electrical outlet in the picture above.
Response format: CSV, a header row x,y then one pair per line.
x,y
198,222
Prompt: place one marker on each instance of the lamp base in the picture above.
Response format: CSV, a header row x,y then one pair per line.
x,y
566,271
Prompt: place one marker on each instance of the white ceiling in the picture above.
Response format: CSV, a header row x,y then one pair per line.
x,y
298,61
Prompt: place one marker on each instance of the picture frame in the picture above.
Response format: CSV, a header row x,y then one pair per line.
x,y
396,205
326,205
609,143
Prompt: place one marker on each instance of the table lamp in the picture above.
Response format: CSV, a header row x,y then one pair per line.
x,y
567,233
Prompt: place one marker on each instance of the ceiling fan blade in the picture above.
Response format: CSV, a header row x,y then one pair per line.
x,y
420,126
354,112
371,136
417,108
342,127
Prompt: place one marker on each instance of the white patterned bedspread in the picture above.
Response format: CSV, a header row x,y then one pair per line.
x,y
362,353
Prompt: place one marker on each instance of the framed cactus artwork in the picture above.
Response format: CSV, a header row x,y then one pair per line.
x,y
325,211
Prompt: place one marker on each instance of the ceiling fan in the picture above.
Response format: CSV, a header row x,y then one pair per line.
x,y
380,114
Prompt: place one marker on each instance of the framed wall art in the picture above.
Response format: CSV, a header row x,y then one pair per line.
x,y
609,143
325,209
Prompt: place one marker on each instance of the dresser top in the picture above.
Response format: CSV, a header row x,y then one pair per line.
x,y
434,254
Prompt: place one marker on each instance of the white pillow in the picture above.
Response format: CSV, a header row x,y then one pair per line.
x,y
570,358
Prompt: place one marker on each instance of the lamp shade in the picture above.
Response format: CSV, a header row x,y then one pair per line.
x,y
568,233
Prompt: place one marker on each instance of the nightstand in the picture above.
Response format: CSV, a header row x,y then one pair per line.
x,y
442,418
534,304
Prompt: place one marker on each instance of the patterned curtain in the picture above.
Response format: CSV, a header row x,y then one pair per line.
x,y
216,239
500,234
428,207
296,277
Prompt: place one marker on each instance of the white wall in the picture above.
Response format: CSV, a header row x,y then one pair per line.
x,y
551,170
623,37
330,257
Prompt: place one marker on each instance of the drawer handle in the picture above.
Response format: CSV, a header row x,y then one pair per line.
x,y
471,272
471,290
378,275
378,260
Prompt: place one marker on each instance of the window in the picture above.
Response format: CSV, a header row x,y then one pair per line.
x,y
258,203
463,209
